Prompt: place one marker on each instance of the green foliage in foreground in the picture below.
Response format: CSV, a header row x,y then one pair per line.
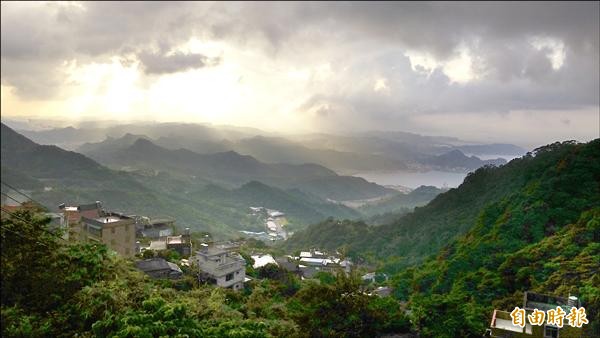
x,y
51,289
543,237
454,294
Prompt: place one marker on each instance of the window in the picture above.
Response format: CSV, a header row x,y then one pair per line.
x,y
550,332
229,277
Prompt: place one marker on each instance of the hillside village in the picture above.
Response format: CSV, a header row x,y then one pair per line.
x,y
161,251
167,251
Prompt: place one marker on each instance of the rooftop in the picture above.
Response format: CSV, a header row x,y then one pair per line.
x,y
109,219
90,206
262,260
175,240
155,264
276,214
158,245
315,261
546,302
159,221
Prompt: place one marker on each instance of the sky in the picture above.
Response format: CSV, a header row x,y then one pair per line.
x,y
524,73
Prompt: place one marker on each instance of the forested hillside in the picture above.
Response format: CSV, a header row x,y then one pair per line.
x,y
455,293
538,194
532,225
402,202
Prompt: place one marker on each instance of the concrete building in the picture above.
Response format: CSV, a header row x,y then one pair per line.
x,y
155,228
222,266
115,230
73,215
181,243
159,268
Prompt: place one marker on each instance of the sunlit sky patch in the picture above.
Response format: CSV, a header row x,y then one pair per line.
x,y
499,72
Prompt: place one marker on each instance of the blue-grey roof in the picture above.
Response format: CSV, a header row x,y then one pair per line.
x,y
155,264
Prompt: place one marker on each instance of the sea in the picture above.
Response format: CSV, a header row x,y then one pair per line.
x,y
413,180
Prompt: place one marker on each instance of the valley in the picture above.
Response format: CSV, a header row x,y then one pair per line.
x,y
208,191
264,169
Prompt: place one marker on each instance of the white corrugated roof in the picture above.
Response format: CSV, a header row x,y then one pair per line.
x,y
262,260
272,225
322,261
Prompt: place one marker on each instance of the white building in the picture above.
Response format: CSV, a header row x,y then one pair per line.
x,y
275,213
222,266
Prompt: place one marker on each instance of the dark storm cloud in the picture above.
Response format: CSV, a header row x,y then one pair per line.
x,y
156,63
364,40
38,39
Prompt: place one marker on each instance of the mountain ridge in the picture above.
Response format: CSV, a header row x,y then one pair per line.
x,y
73,178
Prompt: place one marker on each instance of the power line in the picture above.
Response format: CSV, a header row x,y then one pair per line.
x,y
23,194
27,238
12,198
26,221
21,235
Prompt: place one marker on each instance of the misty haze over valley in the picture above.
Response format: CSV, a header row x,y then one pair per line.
x,y
300,169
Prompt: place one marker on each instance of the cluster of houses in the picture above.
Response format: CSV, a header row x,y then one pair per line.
x,y
275,225
124,234
221,264
307,265
217,263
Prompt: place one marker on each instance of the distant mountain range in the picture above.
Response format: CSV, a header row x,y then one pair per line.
x,y
455,160
377,150
56,176
206,178
209,192
231,168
